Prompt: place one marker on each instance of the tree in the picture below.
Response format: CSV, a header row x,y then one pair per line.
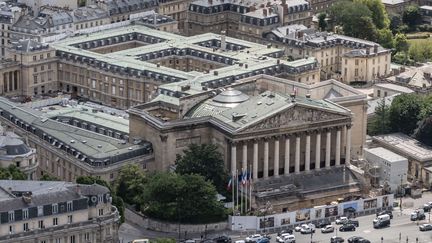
x,y
185,198
322,22
424,131
129,183
48,177
385,38
366,29
380,123
116,201
395,23
401,43
13,173
405,113
411,16
205,160
378,13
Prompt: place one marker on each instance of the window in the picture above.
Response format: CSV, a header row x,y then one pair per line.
x,y
40,210
48,55
356,62
69,206
55,208
25,213
42,67
101,212
11,216
70,219
87,236
35,79
34,58
58,240
379,93
356,72
41,56
25,227
35,69
72,239
41,224
11,229
55,221
100,198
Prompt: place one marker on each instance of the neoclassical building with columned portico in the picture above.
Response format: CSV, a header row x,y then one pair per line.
x,y
286,140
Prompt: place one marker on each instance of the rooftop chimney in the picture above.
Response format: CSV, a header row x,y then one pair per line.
x,y
375,48
265,12
210,2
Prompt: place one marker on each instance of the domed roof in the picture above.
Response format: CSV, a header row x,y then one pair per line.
x,y
13,146
231,96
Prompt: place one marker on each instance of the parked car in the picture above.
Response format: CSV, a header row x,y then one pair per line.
x,y
253,238
418,214
263,240
285,238
297,228
323,223
381,221
327,229
337,239
354,222
425,227
347,227
341,220
357,239
289,231
222,239
389,212
307,229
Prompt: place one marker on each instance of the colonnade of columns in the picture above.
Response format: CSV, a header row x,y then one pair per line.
x,y
10,81
308,157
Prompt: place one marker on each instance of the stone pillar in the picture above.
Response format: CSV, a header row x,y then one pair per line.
x,y
244,156
255,159
287,156
297,155
318,151
348,146
338,147
276,157
328,149
307,153
233,158
266,159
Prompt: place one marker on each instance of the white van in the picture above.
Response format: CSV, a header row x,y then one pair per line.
x,y
381,221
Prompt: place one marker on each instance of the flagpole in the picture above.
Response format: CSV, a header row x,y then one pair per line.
x,y
232,191
250,191
237,189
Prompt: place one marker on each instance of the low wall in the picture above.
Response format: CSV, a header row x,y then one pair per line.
x,y
156,225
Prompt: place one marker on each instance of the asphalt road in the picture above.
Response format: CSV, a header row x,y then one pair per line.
x,y
400,225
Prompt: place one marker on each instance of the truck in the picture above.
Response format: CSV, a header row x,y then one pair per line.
x,y
381,221
418,214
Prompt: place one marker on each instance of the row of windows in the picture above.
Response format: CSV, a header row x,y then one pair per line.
x,y
25,212
41,224
42,68
41,56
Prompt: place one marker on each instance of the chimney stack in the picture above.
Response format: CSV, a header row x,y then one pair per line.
x,y
375,48
223,40
265,12
210,2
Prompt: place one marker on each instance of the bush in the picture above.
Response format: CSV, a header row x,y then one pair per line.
x,y
425,28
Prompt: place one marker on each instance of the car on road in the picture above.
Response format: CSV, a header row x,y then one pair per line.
x,y
425,227
286,238
388,212
341,220
289,231
307,229
418,214
357,239
253,238
297,228
337,239
354,222
323,223
328,229
222,239
347,227
263,240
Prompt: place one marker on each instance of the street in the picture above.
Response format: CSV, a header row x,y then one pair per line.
x,y
400,226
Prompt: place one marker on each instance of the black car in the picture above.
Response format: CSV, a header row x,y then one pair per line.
x,y
426,208
222,239
354,222
337,239
323,223
347,227
357,239
389,212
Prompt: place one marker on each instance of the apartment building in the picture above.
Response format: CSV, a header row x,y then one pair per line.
x,y
341,57
245,20
119,11
176,9
69,147
56,211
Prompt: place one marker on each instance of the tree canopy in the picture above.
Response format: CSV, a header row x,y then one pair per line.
x,y
380,122
424,131
205,160
405,113
48,177
411,16
322,23
378,13
186,198
12,172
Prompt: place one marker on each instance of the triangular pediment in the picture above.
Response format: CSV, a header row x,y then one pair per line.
x,y
293,117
